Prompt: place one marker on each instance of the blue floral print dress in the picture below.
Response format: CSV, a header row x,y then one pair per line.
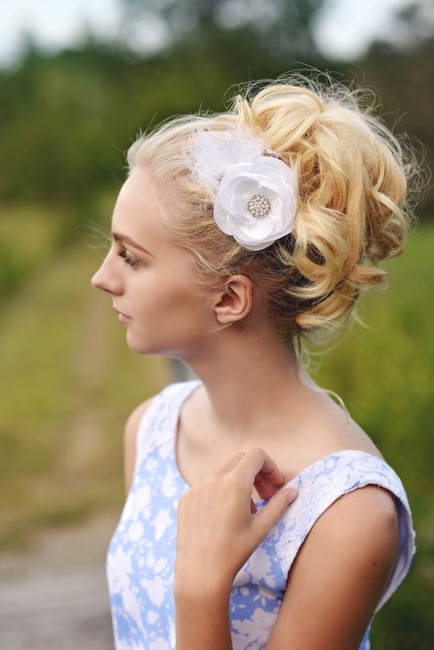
x,y
140,563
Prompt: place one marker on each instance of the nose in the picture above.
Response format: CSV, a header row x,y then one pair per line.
x,y
106,279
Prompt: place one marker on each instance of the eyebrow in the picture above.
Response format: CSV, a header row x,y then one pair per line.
x,y
124,239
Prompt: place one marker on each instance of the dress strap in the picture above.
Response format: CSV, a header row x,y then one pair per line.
x,y
159,424
321,484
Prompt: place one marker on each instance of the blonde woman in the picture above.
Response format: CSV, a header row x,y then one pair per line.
x,y
234,236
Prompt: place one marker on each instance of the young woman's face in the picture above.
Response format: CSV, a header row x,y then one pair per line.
x,y
152,280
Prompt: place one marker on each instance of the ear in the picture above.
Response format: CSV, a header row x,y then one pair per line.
x,y
235,301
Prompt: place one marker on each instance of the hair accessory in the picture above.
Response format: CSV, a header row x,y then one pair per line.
x,y
255,195
259,206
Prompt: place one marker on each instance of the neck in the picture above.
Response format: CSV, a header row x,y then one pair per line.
x,y
251,380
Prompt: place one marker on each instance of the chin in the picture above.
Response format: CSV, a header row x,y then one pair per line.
x,y
142,347
135,345
178,349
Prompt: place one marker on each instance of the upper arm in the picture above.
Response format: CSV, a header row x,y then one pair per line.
x,y
340,574
130,439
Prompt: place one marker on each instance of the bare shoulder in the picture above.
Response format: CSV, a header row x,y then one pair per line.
x,y
350,433
340,573
360,532
335,430
368,514
130,438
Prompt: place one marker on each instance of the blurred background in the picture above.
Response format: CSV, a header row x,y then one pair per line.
x,y
78,81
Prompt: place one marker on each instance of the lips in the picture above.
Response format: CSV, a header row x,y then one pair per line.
x,y
123,318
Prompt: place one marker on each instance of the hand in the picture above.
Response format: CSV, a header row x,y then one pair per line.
x,y
218,526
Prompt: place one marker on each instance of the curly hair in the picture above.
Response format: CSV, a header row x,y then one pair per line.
x,y
354,181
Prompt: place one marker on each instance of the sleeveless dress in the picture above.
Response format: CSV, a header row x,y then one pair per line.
x,y
140,562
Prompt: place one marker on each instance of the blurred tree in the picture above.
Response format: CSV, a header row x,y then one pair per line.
x,y
283,27
413,24
402,67
67,118
56,116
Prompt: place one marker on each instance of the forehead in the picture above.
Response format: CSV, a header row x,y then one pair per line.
x,y
138,213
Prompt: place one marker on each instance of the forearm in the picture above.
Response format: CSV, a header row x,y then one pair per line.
x,y
202,620
217,532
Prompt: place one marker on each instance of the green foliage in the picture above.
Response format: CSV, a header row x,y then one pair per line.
x,y
67,385
404,81
67,119
61,512
57,126
28,237
84,108
384,375
279,28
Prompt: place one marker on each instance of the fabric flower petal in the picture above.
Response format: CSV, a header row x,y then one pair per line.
x,y
256,202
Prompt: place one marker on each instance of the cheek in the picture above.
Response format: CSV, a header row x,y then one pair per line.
x,y
184,305
167,303
191,315
169,323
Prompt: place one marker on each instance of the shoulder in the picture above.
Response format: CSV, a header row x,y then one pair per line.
x,y
363,521
349,479
340,574
165,408
130,439
132,424
168,397
359,528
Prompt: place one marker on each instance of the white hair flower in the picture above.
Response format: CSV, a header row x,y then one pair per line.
x,y
255,195
256,202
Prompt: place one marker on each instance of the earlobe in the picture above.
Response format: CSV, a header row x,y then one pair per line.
x,y
235,301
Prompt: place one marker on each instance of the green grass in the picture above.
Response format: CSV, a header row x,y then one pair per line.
x,y
67,384
28,236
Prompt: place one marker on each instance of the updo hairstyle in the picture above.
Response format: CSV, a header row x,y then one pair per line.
x,y
352,176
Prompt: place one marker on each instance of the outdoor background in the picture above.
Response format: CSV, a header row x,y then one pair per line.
x,y
68,111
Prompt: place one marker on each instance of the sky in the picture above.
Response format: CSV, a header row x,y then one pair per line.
x,y
343,31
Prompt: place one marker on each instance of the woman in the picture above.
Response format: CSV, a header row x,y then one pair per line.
x,y
234,236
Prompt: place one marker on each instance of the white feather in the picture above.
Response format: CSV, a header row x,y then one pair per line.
x,y
212,153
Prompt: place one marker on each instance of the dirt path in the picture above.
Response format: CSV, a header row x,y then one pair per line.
x,y
54,597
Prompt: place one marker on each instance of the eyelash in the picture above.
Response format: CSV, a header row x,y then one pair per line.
x,y
127,259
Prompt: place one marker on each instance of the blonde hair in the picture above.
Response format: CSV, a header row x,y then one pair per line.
x,y
353,177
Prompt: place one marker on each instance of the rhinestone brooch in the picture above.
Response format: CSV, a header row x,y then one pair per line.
x,y
259,206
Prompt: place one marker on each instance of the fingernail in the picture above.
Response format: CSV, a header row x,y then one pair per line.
x,y
292,494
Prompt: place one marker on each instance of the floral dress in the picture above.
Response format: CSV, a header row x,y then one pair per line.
x,y
141,556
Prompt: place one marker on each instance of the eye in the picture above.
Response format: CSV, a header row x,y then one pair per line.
x,y
128,258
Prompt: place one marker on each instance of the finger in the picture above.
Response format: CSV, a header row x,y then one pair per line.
x,y
257,461
268,468
263,487
231,463
275,508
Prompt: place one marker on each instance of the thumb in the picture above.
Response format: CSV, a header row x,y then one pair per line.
x,y
277,505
